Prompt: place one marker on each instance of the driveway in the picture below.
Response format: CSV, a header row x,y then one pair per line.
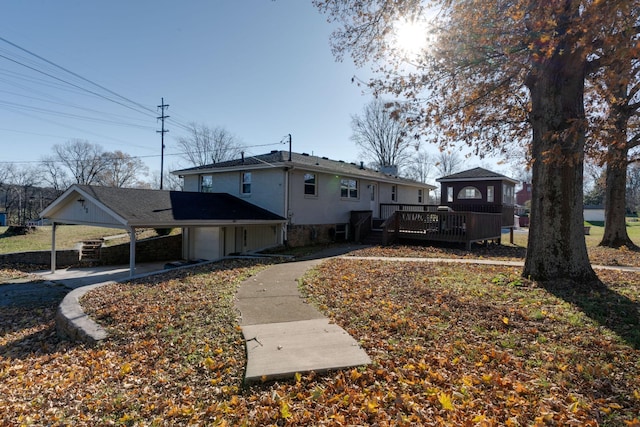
x,y
47,287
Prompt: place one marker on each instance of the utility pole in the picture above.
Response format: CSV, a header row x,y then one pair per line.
x,y
162,106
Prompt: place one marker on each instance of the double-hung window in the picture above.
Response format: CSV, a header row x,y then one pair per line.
x,y
394,193
419,195
348,188
490,194
246,183
310,184
206,183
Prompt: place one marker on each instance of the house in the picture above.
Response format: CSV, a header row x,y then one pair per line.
x,y
479,190
524,194
213,224
321,199
594,213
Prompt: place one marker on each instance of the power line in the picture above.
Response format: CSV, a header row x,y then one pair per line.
x,y
162,117
78,76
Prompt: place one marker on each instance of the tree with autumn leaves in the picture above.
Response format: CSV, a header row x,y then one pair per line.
x,y
498,73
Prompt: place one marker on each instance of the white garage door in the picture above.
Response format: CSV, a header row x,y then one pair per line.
x,y
205,243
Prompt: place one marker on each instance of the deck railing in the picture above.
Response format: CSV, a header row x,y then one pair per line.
x,y
455,227
361,224
507,211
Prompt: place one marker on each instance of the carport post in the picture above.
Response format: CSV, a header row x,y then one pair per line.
x,y
132,252
53,247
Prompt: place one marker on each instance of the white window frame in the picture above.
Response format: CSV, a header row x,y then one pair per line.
x,y
490,194
465,193
394,193
420,195
507,194
245,183
307,176
348,188
206,188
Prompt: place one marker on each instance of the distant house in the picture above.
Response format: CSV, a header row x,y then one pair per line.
x,y
594,213
479,190
321,198
524,194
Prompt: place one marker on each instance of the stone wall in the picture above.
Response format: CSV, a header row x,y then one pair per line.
x,y
303,235
163,248
64,258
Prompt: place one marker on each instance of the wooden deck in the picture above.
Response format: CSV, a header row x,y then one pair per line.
x,y
454,227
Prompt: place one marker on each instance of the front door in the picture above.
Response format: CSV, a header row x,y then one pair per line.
x,y
373,197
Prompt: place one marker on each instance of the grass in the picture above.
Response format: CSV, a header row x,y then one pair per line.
x,y
593,238
67,237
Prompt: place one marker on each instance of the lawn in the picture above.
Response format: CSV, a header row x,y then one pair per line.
x,y
451,345
67,237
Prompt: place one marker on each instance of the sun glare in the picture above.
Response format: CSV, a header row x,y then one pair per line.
x,y
411,37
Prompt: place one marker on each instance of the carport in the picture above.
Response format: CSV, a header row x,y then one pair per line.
x,y
132,208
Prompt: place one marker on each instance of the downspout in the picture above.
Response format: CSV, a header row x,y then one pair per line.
x,y
286,203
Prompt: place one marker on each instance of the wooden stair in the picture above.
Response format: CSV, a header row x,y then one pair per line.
x,y
373,238
90,250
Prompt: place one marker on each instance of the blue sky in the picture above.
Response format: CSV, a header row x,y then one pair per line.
x,y
262,69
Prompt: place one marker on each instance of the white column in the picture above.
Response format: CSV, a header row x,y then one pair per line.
x,y
53,247
132,252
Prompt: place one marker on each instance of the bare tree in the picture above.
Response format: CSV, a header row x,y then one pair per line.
x,y
19,193
420,166
381,134
206,145
122,170
170,181
448,162
54,174
84,160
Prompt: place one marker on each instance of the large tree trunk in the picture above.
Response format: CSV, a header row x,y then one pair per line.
x,y
615,224
557,248
615,197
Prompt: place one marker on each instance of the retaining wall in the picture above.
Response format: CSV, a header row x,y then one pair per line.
x,y
162,248
64,258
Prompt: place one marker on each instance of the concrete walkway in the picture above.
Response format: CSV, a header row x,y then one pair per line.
x,y
285,335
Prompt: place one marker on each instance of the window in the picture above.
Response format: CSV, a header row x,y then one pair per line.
x,y
349,188
490,193
507,194
469,193
206,183
449,194
246,182
420,195
394,193
310,188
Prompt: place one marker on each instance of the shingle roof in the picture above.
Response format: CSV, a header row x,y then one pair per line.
x,y
281,158
143,207
475,174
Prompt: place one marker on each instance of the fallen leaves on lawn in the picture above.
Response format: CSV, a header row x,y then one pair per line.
x,y
458,345
597,254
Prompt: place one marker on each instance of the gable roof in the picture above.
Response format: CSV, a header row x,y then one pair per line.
x,y
133,207
476,174
304,161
